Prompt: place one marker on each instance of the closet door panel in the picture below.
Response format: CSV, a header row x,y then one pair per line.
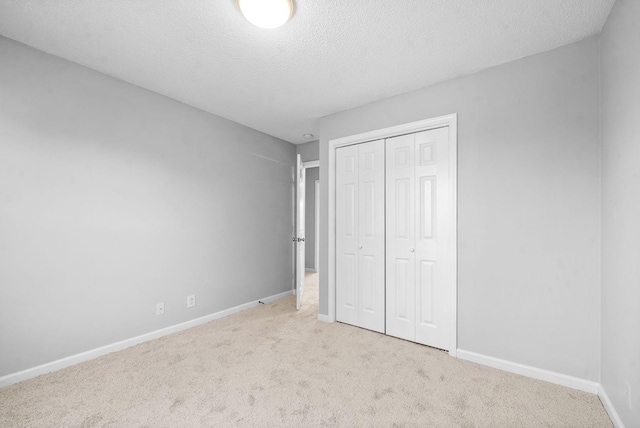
x,y
400,231
371,235
347,229
425,296
432,221
360,225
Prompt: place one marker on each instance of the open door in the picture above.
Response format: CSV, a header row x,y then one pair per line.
x,y
299,239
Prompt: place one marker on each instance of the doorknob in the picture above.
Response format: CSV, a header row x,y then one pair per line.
x,y
300,239
361,247
413,250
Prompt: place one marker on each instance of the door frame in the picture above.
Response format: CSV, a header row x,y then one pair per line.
x,y
316,261
305,165
298,241
450,120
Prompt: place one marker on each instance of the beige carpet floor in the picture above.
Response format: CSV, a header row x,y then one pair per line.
x,y
271,366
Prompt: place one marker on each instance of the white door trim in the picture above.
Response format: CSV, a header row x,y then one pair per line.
x,y
451,121
316,261
301,176
311,164
307,165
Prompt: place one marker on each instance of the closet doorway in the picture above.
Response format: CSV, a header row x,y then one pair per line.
x,y
392,220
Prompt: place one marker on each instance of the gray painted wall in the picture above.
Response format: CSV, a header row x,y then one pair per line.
x,y
113,198
313,174
620,45
309,151
528,204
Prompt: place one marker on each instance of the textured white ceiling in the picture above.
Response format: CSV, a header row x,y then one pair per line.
x,y
332,55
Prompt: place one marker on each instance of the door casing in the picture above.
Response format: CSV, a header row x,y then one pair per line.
x,y
296,220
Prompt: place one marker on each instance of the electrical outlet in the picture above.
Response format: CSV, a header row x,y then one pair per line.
x,y
160,308
191,301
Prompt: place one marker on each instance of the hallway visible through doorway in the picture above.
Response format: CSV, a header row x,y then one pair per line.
x,y
311,291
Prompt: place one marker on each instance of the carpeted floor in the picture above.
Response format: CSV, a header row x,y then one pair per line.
x,y
272,366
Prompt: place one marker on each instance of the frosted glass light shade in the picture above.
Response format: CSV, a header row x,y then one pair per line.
x,y
266,13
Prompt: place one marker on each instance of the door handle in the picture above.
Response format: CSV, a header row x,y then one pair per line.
x,y
413,250
300,239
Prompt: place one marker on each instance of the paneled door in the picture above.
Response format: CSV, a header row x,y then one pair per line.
x,y
360,296
419,206
300,232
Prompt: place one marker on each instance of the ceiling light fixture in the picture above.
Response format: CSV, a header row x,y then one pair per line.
x,y
307,136
266,13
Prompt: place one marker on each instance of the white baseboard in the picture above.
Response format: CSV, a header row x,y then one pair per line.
x,y
324,318
608,406
127,343
265,300
533,372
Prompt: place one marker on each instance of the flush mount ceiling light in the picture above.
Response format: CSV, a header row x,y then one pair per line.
x,y
266,13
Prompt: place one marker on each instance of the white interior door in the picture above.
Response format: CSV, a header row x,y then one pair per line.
x,y
400,251
316,262
360,235
419,212
299,239
371,235
347,235
433,239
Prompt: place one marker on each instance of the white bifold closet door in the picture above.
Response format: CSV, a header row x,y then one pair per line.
x,y
360,292
418,227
